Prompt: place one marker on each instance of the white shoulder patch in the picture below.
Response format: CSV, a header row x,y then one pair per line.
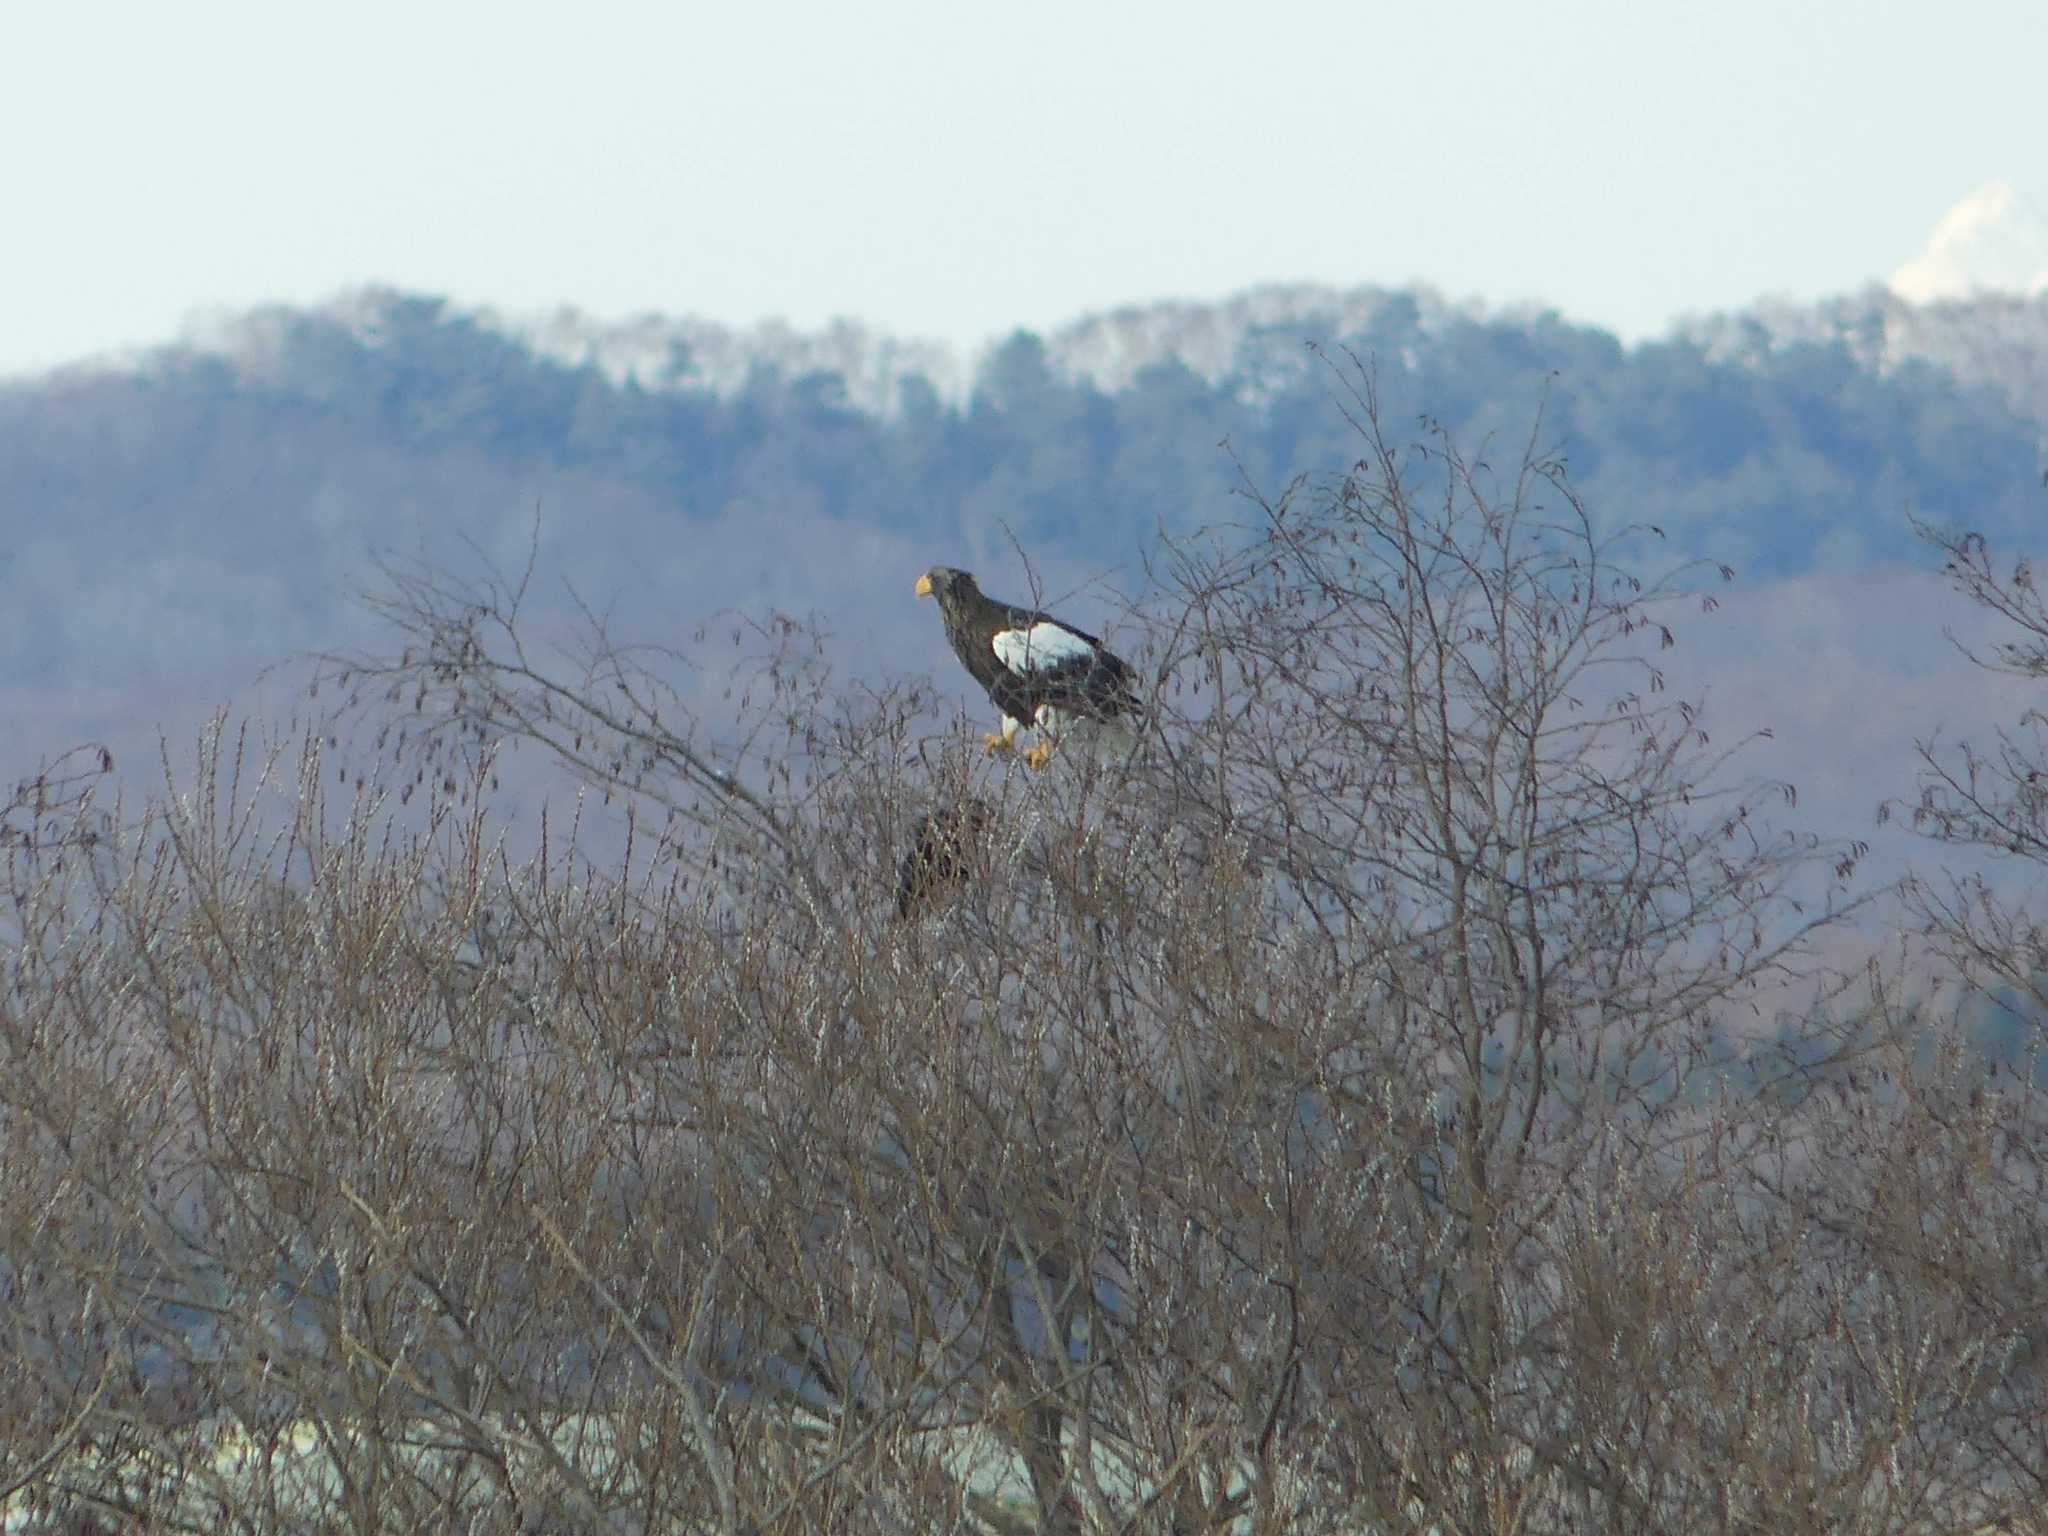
x,y
1041,648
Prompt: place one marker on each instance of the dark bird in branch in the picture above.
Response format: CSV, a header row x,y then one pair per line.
x,y
949,845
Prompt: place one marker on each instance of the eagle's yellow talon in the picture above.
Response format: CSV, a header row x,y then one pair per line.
x,y
1039,756
996,741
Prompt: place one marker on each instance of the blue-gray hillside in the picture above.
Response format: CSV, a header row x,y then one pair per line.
x,y
216,505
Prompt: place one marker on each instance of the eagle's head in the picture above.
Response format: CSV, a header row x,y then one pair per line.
x,y
950,586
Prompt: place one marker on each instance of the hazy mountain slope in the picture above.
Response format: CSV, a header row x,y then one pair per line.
x,y
1245,341
213,507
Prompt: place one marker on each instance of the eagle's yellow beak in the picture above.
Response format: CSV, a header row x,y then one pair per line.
x,y
924,586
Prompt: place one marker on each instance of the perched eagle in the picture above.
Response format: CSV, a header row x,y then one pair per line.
x,y
1040,673
949,845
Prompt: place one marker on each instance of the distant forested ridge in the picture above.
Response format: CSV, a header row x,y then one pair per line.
x,y
216,497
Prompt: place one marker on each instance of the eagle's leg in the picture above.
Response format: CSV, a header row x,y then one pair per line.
x,y
1005,741
1051,722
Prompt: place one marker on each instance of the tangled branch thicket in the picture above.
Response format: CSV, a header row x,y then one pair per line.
x,y
1338,1117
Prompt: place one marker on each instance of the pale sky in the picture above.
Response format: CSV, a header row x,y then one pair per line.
x,y
951,171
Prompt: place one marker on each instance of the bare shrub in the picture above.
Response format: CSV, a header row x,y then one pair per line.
x,y
1334,1117
1991,800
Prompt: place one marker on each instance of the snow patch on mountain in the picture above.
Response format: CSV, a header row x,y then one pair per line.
x,y
1252,338
1255,338
1987,243
1995,341
656,352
